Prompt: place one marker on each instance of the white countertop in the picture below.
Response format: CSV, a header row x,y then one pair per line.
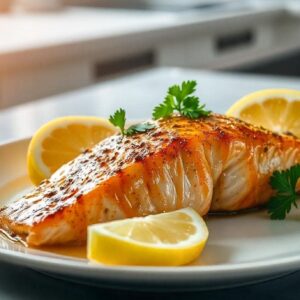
x,y
22,31
33,37
138,94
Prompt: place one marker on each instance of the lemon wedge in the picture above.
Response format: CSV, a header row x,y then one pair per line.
x,y
167,239
275,109
61,140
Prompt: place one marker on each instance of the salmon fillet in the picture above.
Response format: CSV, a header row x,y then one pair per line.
x,y
216,163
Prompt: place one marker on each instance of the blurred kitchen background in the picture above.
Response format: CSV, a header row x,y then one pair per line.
x,y
48,47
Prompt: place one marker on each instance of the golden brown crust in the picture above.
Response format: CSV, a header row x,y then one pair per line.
x,y
112,156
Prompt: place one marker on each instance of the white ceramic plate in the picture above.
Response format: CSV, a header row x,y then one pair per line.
x,y
241,249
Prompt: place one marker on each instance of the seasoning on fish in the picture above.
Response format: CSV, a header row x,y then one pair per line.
x,y
215,163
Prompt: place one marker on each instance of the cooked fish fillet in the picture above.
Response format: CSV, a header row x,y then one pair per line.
x,y
211,164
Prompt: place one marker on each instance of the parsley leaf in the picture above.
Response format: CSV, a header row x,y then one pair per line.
x,y
165,109
192,109
180,99
284,183
140,127
118,119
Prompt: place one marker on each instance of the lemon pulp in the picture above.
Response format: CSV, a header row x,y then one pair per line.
x,y
61,140
167,239
276,109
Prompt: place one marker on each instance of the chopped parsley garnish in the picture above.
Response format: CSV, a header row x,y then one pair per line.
x,y
182,100
118,119
284,183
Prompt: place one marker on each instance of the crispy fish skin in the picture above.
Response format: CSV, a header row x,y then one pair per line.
x,y
216,163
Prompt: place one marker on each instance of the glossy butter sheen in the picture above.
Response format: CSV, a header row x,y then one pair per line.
x,y
211,164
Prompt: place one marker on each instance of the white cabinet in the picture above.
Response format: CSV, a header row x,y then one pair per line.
x,y
47,54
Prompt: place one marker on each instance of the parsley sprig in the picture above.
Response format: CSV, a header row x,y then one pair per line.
x,y
118,119
284,183
182,100
179,98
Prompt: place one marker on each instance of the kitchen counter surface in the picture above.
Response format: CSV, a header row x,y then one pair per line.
x,y
44,54
78,31
138,94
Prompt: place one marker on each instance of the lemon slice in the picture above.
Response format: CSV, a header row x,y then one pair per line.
x,y
167,239
61,140
275,109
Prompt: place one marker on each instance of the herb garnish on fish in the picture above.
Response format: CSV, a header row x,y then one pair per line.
x,y
118,119
182,100
284,183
